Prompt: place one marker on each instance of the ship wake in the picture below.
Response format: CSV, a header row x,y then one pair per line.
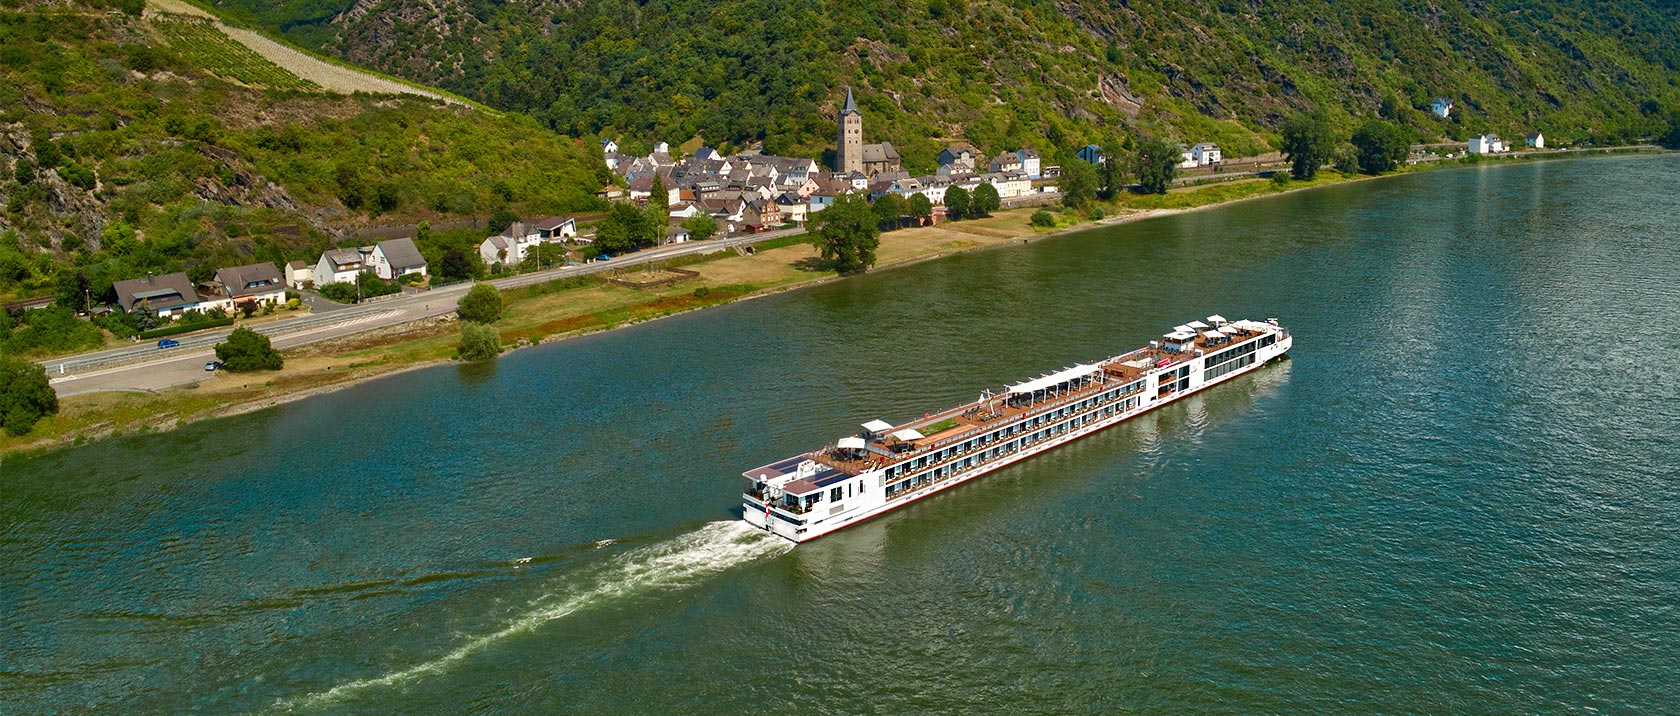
x,y
662,566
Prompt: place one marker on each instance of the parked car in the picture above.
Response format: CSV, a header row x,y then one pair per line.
x,y
212,365
604,257
168,343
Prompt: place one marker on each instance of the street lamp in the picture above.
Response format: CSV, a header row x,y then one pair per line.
x,y
365,252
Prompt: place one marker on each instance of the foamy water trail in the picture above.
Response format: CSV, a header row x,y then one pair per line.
x,y
663,566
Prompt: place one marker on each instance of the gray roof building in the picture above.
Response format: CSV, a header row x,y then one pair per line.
x,y
402,254
171,290
250,279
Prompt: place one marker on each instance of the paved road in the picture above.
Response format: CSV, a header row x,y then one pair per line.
x,y
146,367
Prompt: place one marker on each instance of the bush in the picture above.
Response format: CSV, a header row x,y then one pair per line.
x,y
483,304
478,341
340,292
702,292
411,279
1098,214
246,349
180,328
1280,179
1043,219
25,395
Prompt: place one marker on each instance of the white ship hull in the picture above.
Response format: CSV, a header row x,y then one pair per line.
x,y
871,499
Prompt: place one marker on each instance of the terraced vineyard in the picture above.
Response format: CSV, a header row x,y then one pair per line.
x,y
205,45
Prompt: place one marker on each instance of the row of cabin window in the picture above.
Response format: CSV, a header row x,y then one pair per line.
x,y
1231,353
1011,429
1109,411
1220,370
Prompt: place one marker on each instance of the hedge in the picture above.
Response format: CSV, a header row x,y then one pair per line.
x,y
185,328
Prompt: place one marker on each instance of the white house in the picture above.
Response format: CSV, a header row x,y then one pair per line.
x,y
609,146
261,283
299,273
342,265
1186,159
397,257
554,228
676,235
1010,185
1441,107
1486,144
510,247
1031,164
1535,140
1206,153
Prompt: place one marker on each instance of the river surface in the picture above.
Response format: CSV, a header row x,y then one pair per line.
x,y
1458,496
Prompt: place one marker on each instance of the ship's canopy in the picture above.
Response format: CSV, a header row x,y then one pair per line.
x,y
1065,375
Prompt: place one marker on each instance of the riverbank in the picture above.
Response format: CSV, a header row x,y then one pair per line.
x,y
585,305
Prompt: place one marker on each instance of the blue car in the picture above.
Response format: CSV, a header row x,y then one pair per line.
x,y
168,343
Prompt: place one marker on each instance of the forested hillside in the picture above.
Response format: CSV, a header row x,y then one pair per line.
x,y
1005,73
131,145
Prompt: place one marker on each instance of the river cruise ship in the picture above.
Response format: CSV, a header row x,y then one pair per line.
x,y
887,466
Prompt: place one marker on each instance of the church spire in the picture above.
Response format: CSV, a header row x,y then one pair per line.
x,y
851,104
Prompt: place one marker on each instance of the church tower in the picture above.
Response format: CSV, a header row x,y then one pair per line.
x,y
848,156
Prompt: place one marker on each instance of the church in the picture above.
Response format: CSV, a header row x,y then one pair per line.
x,y
853,155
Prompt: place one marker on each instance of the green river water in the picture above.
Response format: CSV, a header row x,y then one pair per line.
x,y
1458,496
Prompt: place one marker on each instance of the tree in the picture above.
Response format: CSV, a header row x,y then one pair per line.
x,y
500,219
887,209
73,289
25,395
1382,146
482,304
1671,138
246,349
478,342
1347,161
1111,175
847,233
1309,142
986,200
624,229
700,226
921,208
455,265
1157,163
1079,182
956,203
659,207
1043,219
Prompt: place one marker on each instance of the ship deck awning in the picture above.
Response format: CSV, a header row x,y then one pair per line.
x,y
877,426
1197,325
1180,336
1066,375
1229,329
1213,335
852,443
1216,319
909,434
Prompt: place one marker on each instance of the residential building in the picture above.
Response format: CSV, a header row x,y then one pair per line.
x,y
554,228
609,146
509,248
1206,153
299,273
1031,164
1091,153
1186,159
169,295
1005,162
676,235
1441,107
342,265
397,257
960,154
1534,140
1486,144
260,282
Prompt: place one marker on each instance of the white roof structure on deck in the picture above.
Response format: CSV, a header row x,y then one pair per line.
x,y
1054,379
1252,326
1180,329
1180,336
1213,335
851,443
1196,324
908,434
877,426
1216,319
1229,329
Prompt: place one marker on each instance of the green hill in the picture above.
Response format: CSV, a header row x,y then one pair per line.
x,y
1004,73
159,144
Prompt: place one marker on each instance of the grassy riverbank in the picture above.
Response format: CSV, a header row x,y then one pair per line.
x,y
581,305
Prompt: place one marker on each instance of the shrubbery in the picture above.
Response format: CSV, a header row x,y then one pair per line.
x,y
478,342
1043,219
482,304
25,395
246,350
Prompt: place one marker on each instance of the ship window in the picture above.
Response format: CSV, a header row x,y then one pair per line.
x,y
836,494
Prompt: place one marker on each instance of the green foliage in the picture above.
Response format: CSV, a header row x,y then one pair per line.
x,y
184,326
478,341
1157,164
626,228
47,331
1043,219
340,292
1671,138
888,208
248,350
500,219
25,395
985,201
1309,142
200,44
700,226
1111,175
957,202
920,208
847,233
482,304
1280,179
1382,146
1347,161
457,264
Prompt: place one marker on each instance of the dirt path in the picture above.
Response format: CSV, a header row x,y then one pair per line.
x,y
329,76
